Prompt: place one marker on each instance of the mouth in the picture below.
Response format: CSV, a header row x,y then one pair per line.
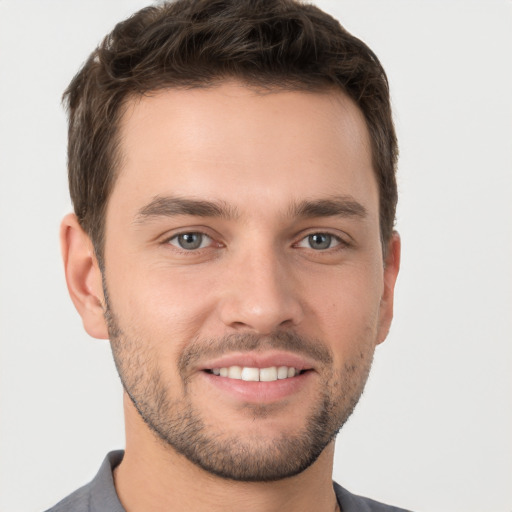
x,y
252,374
258,377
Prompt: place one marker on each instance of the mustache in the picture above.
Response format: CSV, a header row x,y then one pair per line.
x,y
199,349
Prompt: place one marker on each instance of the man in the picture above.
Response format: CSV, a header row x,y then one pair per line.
x,y
232,171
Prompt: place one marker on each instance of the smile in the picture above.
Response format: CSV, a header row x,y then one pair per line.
x,y
248,374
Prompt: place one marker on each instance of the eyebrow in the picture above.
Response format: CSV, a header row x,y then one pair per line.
x,y
170,206
338,206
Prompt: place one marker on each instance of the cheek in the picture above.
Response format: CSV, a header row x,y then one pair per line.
x,y
347,310
165,305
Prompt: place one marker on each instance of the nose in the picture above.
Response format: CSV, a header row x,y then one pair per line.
x,y
261,294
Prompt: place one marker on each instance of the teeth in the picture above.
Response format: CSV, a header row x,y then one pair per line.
x,y
282,372
235,372
250,374
270,374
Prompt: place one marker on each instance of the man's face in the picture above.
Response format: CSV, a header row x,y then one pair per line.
x,y
242,240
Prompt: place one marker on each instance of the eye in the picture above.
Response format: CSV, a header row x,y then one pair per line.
x,y
190,241
319,241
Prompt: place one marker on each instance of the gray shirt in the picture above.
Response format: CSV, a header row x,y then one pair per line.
x,y
100,495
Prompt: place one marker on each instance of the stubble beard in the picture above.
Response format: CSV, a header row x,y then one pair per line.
x,y
178,424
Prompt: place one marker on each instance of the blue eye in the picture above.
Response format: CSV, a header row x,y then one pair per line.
x,y
190,241
319,241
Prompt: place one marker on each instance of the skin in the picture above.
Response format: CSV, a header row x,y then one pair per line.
x,y
259,155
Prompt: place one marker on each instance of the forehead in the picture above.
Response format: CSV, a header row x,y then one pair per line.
x,y
239,144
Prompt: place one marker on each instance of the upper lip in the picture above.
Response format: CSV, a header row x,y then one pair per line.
x,y
259,360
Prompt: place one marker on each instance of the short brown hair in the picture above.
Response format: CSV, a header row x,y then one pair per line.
x,y
280,44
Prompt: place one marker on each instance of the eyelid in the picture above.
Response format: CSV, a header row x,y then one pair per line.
x,y
173,233
214,242
177,235
344,241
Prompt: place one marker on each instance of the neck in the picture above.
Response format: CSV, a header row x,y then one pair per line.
x,y
152,476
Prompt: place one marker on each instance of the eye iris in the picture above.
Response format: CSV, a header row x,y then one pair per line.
x,y
320,241
190,240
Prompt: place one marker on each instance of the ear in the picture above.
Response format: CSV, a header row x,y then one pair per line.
x,y
83,276
391,268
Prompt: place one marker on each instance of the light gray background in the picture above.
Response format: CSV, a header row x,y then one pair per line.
x,y
433,431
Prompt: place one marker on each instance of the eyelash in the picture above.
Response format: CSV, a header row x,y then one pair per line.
x,y
184,233
340,242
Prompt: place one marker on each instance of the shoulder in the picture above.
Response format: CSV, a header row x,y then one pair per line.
x,y
97,496
352,503
79,501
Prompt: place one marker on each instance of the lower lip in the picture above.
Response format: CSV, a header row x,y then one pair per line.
x,y
258,392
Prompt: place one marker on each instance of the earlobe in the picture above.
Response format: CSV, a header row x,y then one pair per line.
x,y
83,276
391,268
